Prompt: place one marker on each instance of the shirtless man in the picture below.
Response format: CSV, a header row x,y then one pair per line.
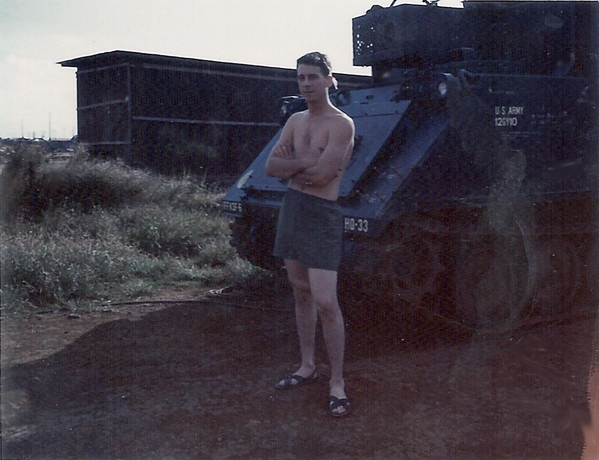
x,y
313,151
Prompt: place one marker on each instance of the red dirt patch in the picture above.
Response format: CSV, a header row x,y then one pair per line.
x,y
195,379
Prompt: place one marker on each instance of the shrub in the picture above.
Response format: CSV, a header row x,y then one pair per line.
x,y
176,153
31,187
75,234
19,187
51,269
177,233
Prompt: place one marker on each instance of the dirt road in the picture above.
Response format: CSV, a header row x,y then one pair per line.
x,y
195,380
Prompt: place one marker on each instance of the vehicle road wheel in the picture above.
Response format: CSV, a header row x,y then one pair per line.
x,y
490,281
559,268
591,269
409,264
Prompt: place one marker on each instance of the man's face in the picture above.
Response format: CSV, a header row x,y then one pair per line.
x,y
311,82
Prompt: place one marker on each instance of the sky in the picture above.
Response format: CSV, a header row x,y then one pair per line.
x,y
38,97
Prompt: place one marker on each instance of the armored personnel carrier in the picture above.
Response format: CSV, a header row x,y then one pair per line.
x,y
473,186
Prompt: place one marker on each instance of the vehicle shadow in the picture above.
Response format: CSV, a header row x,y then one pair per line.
x,y
108,392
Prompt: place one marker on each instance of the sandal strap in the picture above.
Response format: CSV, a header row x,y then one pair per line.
x,y
299,379
335,403
287,382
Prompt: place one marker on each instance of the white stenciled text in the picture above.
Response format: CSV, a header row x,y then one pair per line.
x,y
232,206
507,115
356,225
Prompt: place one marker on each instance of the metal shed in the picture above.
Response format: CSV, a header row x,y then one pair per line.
x,y
173,113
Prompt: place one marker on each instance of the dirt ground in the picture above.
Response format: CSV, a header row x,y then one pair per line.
x,y
194,378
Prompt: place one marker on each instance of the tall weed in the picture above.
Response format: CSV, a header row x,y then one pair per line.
x,y
82,232
177,233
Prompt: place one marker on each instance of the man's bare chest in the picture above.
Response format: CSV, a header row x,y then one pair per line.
x,y
311,138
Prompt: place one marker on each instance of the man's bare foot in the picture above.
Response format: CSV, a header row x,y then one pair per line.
x,y
339,407
338,403
337,388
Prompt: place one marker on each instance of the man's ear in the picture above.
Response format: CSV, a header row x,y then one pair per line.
x,y
331,81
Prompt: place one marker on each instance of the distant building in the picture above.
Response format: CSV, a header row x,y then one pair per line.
x,y
173,114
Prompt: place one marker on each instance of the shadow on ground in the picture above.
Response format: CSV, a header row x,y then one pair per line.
x,y
195,381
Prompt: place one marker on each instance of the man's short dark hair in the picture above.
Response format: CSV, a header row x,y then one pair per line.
x,y
317,59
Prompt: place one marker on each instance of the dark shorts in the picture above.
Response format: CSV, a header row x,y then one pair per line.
x,y
310,230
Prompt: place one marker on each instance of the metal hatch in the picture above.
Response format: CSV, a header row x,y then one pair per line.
x,y
374,124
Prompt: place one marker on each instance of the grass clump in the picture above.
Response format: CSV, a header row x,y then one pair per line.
x,y
181,232
78,233
31,187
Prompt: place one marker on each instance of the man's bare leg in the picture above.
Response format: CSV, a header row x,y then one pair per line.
x,y
323,286
306,315
315,292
